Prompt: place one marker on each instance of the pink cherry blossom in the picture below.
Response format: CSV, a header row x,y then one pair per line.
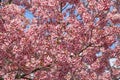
x,y
63,40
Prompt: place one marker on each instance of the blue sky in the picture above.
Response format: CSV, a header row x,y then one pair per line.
x,y
28,14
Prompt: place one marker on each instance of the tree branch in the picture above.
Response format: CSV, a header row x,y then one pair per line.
x,y
1,78
18,76
85,48
10,1
61,7
65,7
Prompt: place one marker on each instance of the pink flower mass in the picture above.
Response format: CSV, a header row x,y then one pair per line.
x,y
64,40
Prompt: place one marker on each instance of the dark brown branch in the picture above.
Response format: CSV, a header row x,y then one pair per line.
x,y
91,45
85,48
1,78
61,7
10,1
18,76
65,7
27,78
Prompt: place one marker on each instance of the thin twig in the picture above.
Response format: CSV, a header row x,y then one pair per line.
x,y
65,7
61,7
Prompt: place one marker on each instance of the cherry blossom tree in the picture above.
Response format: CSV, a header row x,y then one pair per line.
x,y
65,40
